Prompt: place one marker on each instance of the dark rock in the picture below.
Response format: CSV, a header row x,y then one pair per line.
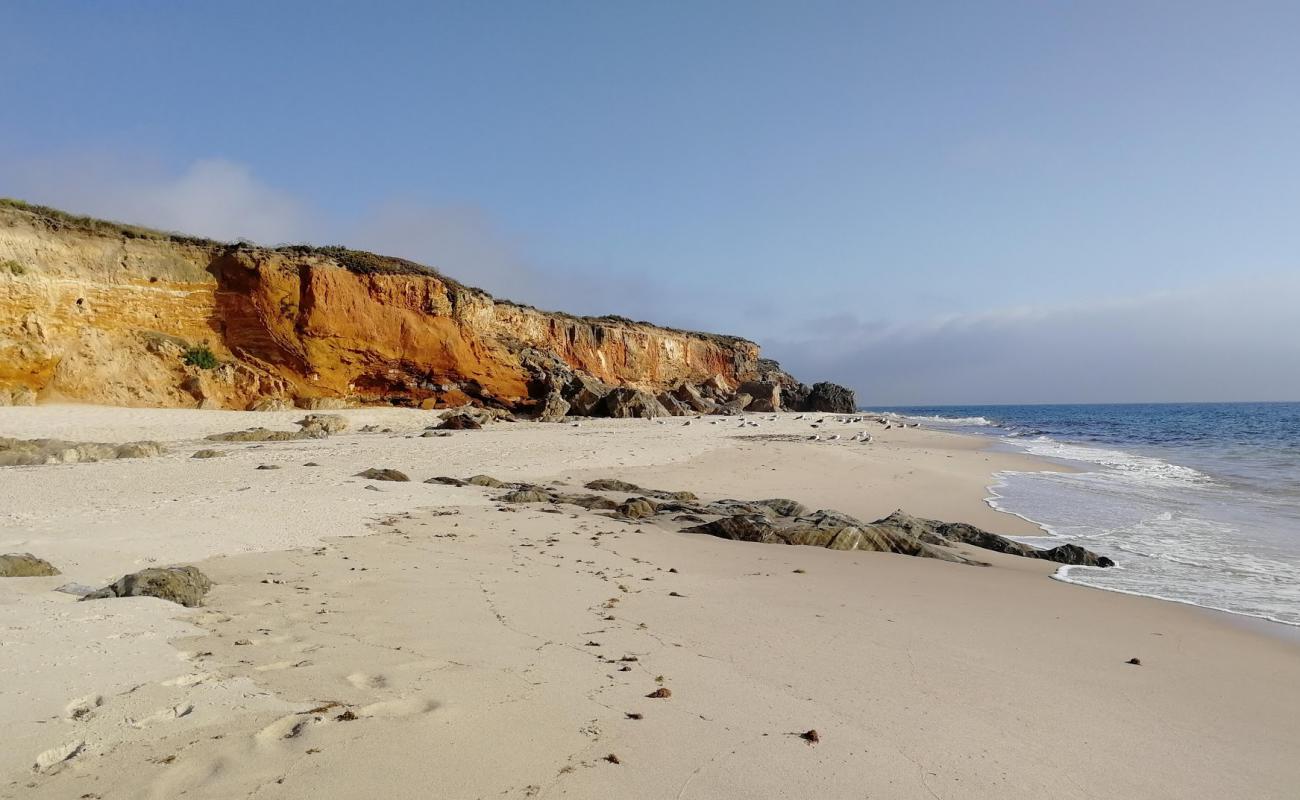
x,y
25,565
766,396
612,485
591,502
259,435
935,532
184,585
691,397
794,396
637,508
738,403
783,507
443,479
586,395
530,495
626,402
376,474
268,466
328,424
831,398
554,408
1075,555
674,406
460,422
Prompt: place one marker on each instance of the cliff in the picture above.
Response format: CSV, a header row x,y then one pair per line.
x,y
108,313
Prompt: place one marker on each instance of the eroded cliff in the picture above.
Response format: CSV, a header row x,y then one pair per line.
x,y
108,313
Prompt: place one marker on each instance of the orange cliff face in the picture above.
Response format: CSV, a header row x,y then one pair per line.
x,y
101,313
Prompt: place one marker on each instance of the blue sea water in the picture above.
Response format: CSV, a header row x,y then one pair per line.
x,y
1197,503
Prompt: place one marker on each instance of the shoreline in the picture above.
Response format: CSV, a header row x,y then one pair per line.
x,y
509,582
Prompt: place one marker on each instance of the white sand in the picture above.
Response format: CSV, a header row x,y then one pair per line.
x,y
458,634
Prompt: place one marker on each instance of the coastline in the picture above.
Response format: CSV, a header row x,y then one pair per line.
x,y
924,678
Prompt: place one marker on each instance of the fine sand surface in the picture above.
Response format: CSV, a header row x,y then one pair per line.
x,y
422,641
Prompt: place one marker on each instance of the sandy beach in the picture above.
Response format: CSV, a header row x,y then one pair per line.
x,y
424,640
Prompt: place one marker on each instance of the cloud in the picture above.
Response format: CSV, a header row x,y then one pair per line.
x,y
1235,341
212,197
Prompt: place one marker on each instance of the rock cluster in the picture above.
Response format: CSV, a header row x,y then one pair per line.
x,y
785,521
20,452
573,393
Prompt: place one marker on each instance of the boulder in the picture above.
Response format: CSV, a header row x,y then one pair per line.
x,y
554,408
636,508
17,396
376,474
25,565
591,502
719,386
460,422
487,481
612,485
447,481
691,397
783,507
263,435
531,494
321,403
831,398
1075,555
674,406
586,395
945,533
626,402
184,585
767,396
794,396
738,403
741,528
271,404
208,454
327,423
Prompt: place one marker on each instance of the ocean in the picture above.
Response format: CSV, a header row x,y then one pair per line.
x,y
1197,503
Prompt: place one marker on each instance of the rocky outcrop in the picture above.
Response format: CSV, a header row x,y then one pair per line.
x,y
25,565
26,452
184,585
831,398
114,314
937,532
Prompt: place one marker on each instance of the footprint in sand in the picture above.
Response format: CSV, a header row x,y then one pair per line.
x,y
163,715
404,707
365,680
57,755
83,707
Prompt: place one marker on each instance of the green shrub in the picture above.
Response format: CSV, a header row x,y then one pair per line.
x,y
12,267
200,356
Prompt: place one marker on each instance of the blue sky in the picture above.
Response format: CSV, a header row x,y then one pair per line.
x,y
931,201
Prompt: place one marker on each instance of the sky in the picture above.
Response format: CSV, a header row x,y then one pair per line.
x,y
931,202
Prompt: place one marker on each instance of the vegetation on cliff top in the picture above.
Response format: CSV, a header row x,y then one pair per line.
x,y
359,262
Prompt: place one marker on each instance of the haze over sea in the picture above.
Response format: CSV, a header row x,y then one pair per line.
x,y
1197,503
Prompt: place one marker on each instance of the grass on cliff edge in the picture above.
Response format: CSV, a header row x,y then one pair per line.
x,y
360,262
